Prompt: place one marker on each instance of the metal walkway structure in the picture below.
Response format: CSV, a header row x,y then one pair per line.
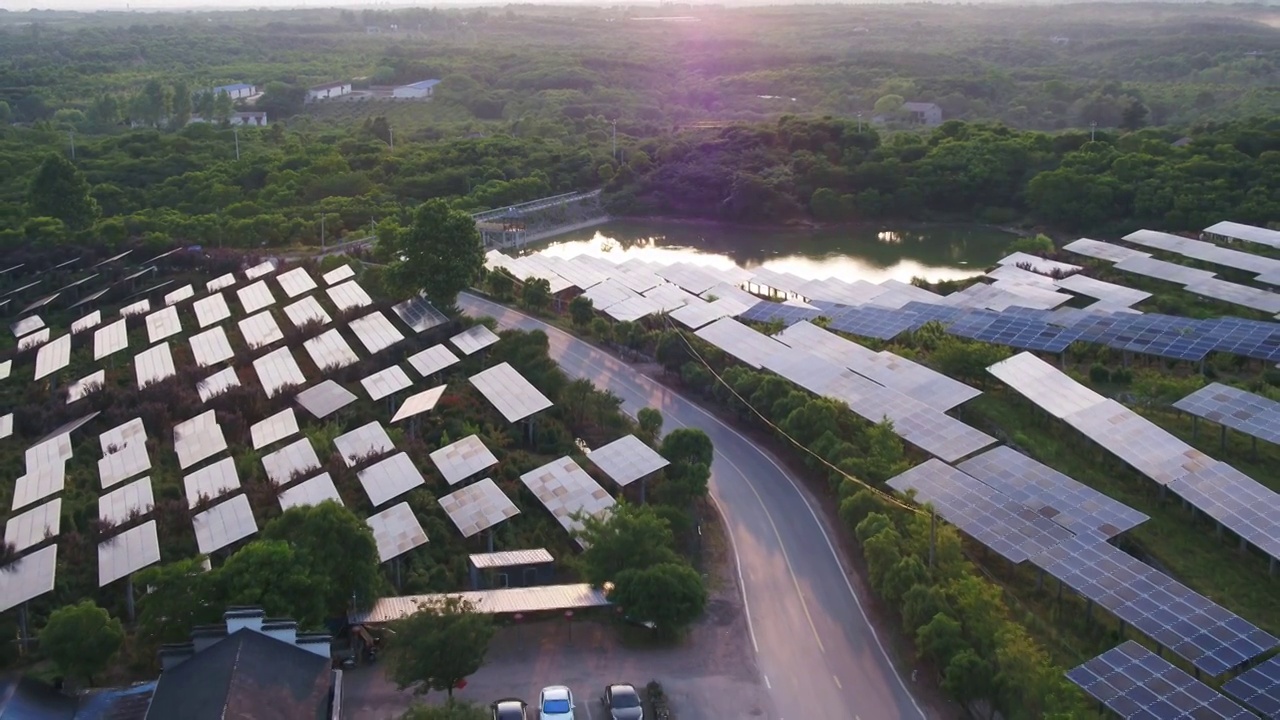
x,y
535,220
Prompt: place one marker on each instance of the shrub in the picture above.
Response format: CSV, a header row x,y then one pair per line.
x,y
1099,374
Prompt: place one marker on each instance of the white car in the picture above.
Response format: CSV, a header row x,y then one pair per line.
x,y
555,703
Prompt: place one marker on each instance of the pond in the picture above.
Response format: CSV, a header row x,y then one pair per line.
x,y
935,252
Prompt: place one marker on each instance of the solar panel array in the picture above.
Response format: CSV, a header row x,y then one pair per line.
x,y
508,391
1134,682
310,492
390,478
376,332
474,339
627,459
223,524
28,577
1259,688
565,490
478,507
1237,409
386,382
325,398
462,459
744,343
396,531
298,457
432,360
365,442
419,314
211,482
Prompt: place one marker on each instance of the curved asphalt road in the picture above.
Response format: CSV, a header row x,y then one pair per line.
x,y
818,653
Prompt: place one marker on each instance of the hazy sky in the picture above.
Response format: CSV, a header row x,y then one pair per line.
x,y
153,5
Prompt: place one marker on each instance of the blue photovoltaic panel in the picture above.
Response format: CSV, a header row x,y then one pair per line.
x,y
1134,682
788,315
1207,635
1027,334
1259,688
873,322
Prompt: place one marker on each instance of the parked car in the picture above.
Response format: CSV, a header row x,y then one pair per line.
x,y
509,709
623,702
555,703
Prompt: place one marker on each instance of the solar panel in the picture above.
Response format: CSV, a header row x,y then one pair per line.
x,y
53,356
609,293
913,380
260,330
1204,251
136,308
418,403
1039,264
153,365
365,442
386,382
6,425
5,368
330,351
210,347
124,460
1044,385
111,259
198,438
255,297
125,502
275,428
296,458
1232,498
1134,682
348,296
211,309
42,302
325,398
747,345
1237,409
217,383
1243,295
221,282
179,295
769,312
27,325
306,310
278,370
478,507
110,339
566,490
118,437
419,315
310,492
389,479
513,396
26,342
375,332
462,459
1147,447
627,459
296,282
396,531
18,291
633,309
474,339
85,385
1103,250
1051,494
130,551
224,524
28,577
266,267
31,527
38,484
1161,270
337,275
211,482
1258,688
1116,295
432,360
90,320
1208,636
873,322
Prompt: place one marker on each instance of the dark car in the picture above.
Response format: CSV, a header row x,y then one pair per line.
x,y
509,709
623,702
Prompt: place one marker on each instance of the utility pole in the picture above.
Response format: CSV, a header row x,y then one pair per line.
x,y
72,133
236,131
615,140
859,122
322,231
1093,126
391,137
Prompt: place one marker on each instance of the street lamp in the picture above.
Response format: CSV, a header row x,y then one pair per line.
x,y
1093,126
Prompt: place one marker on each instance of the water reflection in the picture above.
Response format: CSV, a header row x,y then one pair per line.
x,y
935,252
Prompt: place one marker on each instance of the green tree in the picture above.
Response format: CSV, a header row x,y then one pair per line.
x,y
181,105
631,537
1134,115
60,191
440,254
6,114
223,108
1039,244
581,311
602,329
268,573
81,639
687,446
104,113
670,595
154,103
438,646
969,678
672,351
500,283
967,360
888,104
649,421
536,294
941,639
336,549
179,595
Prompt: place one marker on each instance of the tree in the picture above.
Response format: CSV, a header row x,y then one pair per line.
x,y
670,595
968,678
888,105
536,294
650,424
179,596
500,283
268,573
581,311
438,646
672,351
601,329
1134,115
632,537
181,105
223,107
202,104
58,190
81,639
6,114
1039,244
104,113
440,254
154,103
688,446
334,547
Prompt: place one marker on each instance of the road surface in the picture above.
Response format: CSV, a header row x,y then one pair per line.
x,y
818,654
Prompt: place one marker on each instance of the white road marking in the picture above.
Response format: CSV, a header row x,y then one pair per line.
x,y
833,677
766,681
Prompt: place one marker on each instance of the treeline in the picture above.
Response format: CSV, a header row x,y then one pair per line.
x,y
833,171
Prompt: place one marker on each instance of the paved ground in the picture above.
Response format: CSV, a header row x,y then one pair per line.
x,y
818,654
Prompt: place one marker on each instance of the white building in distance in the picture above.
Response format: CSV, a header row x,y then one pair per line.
x,y
238,91
329,90
416,91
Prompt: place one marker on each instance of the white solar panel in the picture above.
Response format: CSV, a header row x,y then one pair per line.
x,y
85,385
1110,292
670,297
1039,264
513,396
5,368
310,492
627,459
396,531
27,342
386,382
330,351
376,332
110,339
1243,295
179,295
432,360
223,524
474,339
1102,250
325,398
298,457
1045,385
348,295
211,482
53,356
31,527
337,275
419,403
478,507
117,506
306,310
211,309
744,343
220,282
38,484
26,325
217,383
118,437
126,461
462,459
565,490
90,320
130,551
198,438
260,330
363,443
137,308
153,365
277,427
278,370
296,282
633,309
266,267
255,297
6,425
210,347
1161,270
388,479
28,577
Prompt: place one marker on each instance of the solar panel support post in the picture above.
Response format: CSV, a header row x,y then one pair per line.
x,y
128,597
489,539
1195,427
1222,439
933,534
1088,612
24,637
